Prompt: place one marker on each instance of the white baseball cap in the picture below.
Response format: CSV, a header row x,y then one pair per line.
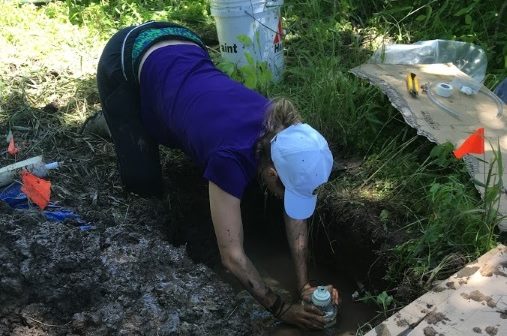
x,y
303,162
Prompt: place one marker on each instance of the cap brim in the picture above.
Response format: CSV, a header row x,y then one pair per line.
x,y
298,207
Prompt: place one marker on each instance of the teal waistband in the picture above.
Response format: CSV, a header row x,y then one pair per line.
x,y
148,36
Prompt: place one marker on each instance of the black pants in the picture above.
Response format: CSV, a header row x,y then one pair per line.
x,y
137,153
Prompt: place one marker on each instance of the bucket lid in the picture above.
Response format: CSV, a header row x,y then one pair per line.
x,y
321,296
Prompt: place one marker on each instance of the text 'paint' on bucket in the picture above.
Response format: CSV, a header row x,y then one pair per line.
x,y
260,21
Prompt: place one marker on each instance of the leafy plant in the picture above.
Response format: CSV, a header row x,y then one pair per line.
x,y
254,74
105,17
459,226
381,300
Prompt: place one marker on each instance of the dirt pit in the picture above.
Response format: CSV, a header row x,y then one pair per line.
x,y
149,267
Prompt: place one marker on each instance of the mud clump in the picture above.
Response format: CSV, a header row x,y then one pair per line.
x,y
429,331
479,297
451,285
492,331
122,279
434,318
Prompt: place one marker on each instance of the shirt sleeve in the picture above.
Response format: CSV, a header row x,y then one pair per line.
x,y
227,171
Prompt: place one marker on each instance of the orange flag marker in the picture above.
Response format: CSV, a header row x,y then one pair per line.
x,y
37,189
473,144
12,149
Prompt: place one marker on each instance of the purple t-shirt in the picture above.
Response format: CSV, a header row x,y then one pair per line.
x,y
187,103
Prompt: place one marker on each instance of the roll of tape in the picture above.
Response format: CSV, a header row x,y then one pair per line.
x,y
443,89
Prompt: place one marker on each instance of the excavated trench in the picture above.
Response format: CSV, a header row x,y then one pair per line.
x,y
126,277
343,242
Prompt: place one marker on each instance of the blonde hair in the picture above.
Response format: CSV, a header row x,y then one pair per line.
x,y
281,114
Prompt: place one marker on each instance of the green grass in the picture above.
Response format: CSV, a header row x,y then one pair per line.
x,y
435,197
45,59
49,55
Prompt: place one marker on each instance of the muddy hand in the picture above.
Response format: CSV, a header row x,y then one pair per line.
x,y
307,291
304,316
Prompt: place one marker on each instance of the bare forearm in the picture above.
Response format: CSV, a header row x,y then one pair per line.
x,y
297,236
226,215
247,274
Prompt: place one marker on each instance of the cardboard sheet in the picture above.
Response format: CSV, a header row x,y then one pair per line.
x,y
440,126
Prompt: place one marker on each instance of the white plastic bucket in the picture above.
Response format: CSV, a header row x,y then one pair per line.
x,y
261,21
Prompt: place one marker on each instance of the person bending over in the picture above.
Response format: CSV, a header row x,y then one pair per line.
x,y
158,85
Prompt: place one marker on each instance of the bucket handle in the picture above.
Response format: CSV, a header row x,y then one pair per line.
x,y
262,24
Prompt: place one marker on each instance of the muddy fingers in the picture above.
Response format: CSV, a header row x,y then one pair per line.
x,y
304,316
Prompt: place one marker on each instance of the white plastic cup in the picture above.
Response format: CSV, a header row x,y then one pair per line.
x,y
260,21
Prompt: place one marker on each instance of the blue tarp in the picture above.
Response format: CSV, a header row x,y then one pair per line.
x,y
13,196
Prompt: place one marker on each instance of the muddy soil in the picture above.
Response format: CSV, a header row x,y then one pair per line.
x,y
120,278
147,266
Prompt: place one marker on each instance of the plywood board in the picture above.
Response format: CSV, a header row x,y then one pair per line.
x,y
471,302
